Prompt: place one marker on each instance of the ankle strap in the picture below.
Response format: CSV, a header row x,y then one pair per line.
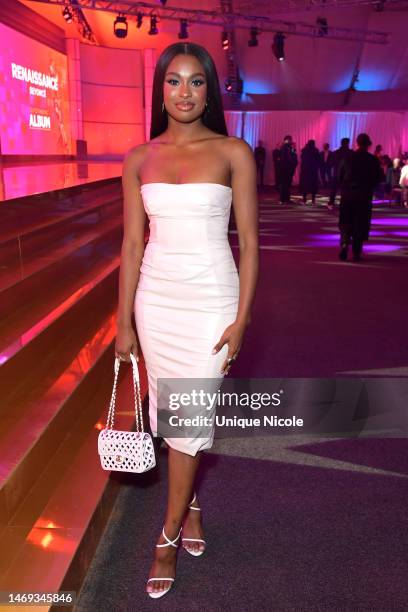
x,y
192,502
169,542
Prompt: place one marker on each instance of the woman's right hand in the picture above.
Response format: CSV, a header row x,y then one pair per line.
x,y
126,342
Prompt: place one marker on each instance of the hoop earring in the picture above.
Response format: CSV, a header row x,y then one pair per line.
x,y
162,107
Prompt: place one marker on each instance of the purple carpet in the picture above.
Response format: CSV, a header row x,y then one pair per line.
x,y
317,316
280,537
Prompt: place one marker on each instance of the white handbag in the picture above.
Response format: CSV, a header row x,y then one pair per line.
x,y
126,451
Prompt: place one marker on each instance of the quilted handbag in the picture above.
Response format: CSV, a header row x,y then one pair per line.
x,y
126,451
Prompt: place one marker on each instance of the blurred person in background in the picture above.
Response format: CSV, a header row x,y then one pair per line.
x,y
260,156
288,162
403,181
326,165
339,154
276,164
309,171
392,176
359,174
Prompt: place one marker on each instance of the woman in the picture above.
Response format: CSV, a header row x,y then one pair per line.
x,y
191,307
309,171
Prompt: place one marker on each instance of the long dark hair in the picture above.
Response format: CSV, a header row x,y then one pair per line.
x,y
213,117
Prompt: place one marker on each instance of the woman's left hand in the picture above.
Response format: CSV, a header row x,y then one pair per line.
x,y
233,336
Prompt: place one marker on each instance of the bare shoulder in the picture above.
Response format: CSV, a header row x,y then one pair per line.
x,y
239,149
234,149
135,156
240,154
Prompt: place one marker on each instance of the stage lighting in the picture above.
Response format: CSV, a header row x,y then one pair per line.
x,y
278,46
225,40
183,29
228,85
323,28
153,26
86,33
253,41
139,18
120,26
67,15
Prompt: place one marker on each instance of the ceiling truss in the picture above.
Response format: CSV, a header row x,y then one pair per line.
x,y
304,6
236,20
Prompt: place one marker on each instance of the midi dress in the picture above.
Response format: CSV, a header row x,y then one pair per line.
x,y
187,294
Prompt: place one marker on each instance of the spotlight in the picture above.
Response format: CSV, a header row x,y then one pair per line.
x,y
253,41
228,85
323,28
153,26
120,26
278,46
183,29
225,40
139,18
67,15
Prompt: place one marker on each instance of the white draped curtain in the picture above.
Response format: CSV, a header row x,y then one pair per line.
x,y
390,129
233,119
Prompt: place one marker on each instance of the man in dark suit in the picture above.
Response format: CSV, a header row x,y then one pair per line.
x,y
287,165
326,165
276,166
260,155
359,174
339,154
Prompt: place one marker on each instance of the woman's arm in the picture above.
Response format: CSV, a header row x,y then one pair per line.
x,y
245,204
133,246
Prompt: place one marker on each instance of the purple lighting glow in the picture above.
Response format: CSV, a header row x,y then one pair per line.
x,y
325,236
381,248
334,237
391,221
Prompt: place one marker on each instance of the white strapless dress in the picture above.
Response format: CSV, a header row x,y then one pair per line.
x,y
188,290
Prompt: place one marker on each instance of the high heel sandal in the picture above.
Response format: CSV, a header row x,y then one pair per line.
x,y
157,594
195,553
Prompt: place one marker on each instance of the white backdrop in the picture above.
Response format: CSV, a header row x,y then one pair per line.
x,y
390,129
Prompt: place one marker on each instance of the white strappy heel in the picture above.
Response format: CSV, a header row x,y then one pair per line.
x,y
157,594
193,552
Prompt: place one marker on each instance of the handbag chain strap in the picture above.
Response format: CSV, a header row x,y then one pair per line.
x,y
136,393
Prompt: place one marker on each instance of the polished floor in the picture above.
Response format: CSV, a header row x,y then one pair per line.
x,y
20,180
